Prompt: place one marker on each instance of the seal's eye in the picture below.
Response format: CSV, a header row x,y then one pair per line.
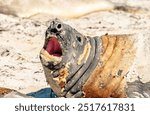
x,y
79,38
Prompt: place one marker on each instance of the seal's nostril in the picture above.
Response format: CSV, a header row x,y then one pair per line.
x,y
59,26
54,30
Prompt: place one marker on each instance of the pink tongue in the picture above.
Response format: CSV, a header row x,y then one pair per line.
x,y
53,47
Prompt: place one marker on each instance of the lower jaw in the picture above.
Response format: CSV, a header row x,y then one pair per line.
x,y
50,58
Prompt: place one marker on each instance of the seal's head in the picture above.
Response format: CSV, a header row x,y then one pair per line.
x,y
65,50
62,42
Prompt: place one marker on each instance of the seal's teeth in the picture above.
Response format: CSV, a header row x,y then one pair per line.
x,y
48,36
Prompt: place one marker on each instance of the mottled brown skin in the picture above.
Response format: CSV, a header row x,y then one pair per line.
x,y
108,79
104,62
11,93
4,91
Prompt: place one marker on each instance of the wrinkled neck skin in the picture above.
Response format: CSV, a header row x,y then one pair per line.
x,y
66,56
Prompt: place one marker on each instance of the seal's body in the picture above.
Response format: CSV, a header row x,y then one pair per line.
x,y
81,66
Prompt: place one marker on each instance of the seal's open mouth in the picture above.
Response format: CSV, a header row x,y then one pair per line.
x,y
53,47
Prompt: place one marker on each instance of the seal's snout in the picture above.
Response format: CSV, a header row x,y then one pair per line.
x,y
55,27
52,43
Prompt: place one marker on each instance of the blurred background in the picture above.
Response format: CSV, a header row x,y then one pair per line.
x,y
65,8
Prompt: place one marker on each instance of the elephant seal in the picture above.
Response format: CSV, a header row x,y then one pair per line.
x,y
81,66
